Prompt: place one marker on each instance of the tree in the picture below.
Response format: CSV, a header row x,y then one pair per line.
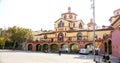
x,y
19,35
2,40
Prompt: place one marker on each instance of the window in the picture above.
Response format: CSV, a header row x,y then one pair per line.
x,y
80,26
61,24
69,38
70,16
117,13
69,24
52,39
45,37
64,16
60,36
74,25
36,40
79,36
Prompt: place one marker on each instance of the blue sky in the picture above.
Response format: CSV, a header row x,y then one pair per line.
x,y
37,14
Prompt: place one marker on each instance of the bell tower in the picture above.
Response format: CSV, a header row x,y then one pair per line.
x,y
69,15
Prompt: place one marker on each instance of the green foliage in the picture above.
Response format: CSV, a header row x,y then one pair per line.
x,y
2,40
75,48
19,34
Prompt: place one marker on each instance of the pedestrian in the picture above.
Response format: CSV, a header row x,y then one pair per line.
x,y
59,52
96,61
104,59
109,62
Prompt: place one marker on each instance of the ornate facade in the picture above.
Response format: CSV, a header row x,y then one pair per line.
x,y
69,35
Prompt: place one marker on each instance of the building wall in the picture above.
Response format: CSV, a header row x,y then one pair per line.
x,y
69,29
88,35
115,22
116,42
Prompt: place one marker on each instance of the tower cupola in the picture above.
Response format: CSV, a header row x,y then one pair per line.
x,y
69,9
69,15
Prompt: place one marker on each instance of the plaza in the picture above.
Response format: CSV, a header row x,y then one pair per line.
x,y
17,56
10,56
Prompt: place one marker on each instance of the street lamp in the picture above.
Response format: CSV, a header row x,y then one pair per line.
x,y
93,14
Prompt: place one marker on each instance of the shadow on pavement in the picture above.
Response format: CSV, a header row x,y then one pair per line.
x,y
84,57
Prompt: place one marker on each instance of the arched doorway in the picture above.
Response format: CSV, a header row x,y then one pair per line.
x,y
90,47
54,48
45,47
64,48
30,47
105,47
74,48
110,47
38,47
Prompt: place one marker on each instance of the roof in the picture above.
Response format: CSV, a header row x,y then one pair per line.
x,y
69,13
115,20
91,23
117,10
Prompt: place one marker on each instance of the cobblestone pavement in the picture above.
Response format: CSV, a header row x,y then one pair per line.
x,y
10,56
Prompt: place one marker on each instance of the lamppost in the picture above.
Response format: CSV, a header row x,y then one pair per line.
x,y
93,14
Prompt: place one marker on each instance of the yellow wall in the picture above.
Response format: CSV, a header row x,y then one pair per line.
x,y
117,24
98,33
51,35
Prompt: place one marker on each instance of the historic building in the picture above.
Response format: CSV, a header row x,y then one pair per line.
x,y
115,23
70,35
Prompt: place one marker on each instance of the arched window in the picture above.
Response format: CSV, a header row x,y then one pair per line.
x,y
60,36
45,36
69,24
79,36
117,13
64,16
52,39
61,24
74,25
80,26
70,16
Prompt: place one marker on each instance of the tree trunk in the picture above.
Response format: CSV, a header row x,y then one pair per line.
x,y
14,45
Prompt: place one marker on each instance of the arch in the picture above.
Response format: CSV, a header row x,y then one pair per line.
x,y
105,47
74,48
89,46
109,46
45,47
30,47
54,48
38,47
61,24
64,48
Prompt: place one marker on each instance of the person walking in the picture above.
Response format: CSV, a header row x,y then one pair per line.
x,y
59,52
